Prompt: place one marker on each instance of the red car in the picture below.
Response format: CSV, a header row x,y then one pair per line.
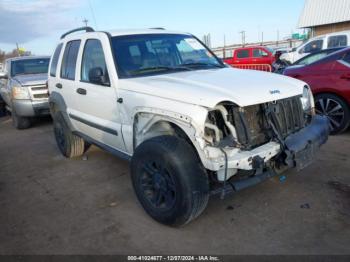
x,y
329,79
253,57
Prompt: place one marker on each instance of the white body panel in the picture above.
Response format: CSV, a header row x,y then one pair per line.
x,y
182,98
299,51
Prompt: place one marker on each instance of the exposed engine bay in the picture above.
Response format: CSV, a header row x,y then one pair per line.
x,y
278,131
252,126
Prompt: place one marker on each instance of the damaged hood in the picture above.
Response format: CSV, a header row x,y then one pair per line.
x,y
210,87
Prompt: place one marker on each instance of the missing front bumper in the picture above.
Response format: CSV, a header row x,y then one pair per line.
x,y
300,150
302,146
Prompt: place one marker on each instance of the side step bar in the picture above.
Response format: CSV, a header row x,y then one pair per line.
x,y
235,186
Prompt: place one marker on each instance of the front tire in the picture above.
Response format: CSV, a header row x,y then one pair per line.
x,y
335,109
69,144
169,180
20,122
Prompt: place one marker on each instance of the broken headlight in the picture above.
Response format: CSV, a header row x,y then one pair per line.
x,y
307,101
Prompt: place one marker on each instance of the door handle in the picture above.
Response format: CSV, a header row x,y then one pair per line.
x,y
81,91
58,85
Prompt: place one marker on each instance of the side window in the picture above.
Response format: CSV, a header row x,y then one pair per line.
x,y
54,60
243,53
337,41
313,46
259,53
94,60
69,61
346,58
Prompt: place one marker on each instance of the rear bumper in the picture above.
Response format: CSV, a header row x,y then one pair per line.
x,y
29,108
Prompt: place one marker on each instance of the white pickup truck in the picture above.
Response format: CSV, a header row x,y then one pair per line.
x,y
191,126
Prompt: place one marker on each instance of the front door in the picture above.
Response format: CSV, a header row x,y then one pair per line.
x,y
95,112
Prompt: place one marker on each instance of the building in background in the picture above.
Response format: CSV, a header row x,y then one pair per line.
x,y
325,16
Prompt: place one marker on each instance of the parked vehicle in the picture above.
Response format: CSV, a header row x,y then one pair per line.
x,y
329,79
316,44
253,57
2,107
23,88
191,126
280,65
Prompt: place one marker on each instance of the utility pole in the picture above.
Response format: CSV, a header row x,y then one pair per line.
x,y
262,38
278,37
224,49
85,21
243,37
18,54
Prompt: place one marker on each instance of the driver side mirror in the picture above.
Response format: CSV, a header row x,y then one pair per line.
x,y
294,49
3,75
96,76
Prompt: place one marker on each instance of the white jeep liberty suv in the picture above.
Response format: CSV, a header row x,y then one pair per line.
x,y
191,126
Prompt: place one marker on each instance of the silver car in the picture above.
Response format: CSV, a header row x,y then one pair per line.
x,y
23,88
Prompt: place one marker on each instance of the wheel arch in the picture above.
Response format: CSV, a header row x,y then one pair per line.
x,y
149,125
57,105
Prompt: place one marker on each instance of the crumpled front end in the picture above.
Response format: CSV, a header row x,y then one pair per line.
x,y
262,140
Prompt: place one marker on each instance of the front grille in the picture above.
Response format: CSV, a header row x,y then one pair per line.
x,y
253,128
39,92
35,88
41,96
289,116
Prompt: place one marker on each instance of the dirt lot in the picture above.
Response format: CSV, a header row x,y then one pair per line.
x,y
53,205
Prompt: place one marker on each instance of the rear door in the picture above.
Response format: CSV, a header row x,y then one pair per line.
x,y
62,75
95,112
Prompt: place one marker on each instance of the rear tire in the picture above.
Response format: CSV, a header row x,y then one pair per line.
x,y
69,144
169,180
335,109
20,122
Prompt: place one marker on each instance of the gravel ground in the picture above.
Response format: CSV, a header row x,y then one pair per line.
x,y
53,205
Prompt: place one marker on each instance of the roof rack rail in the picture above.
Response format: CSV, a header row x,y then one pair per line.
x,y
84,28
158,28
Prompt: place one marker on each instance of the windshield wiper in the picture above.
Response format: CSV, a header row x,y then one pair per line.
x,y
156,68
202,64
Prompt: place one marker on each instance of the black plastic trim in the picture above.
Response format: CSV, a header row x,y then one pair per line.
x,y
84,28
94,125
109,149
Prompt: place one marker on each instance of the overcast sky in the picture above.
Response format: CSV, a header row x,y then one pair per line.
x,y
37,24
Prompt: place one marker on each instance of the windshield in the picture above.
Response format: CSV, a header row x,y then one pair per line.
x,y
313,58
150,54
30,66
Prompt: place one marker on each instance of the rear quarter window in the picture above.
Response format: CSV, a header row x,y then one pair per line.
x,y
337,41
55,60
69,60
